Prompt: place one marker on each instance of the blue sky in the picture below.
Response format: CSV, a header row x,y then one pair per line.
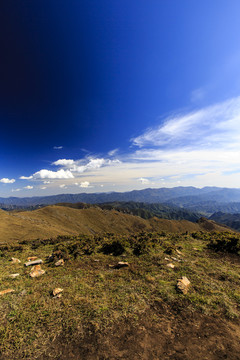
x,y
118,95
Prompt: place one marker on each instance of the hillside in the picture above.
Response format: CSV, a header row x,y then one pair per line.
x,y
231,220
144,210
55,220
136,311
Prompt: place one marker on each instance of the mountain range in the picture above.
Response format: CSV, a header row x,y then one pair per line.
x,y
207,200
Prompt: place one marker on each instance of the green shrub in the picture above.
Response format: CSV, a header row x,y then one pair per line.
x,y
115,248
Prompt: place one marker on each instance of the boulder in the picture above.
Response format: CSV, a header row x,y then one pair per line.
x,y
171,266
183,285
15,260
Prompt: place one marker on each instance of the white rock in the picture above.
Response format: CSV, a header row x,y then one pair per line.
x,y
13,276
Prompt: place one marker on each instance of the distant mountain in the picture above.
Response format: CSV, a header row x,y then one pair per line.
x,y
206,200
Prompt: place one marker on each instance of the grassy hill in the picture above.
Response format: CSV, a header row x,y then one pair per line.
x,y
134,312
54,220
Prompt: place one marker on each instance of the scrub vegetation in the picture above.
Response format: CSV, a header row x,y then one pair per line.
x,y
104,309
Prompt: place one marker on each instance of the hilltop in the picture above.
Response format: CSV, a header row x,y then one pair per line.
x,y
132,312
56,220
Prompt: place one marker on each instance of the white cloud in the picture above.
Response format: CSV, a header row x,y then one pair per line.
x,y
63,162
62,186
58,147
84,184
144,180
26,177
212,126
29,187
43,187
47,182
113,152
15,190
197,95
7,181
48,174
92,164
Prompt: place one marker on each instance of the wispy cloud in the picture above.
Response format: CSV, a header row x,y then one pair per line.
x,y
28,187
26,177
143,181
58,147
197,95
113,152
7,181
213,126
199,148
63,162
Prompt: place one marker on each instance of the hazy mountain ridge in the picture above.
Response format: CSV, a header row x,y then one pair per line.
x,y
207,200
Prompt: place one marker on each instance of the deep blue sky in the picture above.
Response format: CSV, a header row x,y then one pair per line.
x,y
93,76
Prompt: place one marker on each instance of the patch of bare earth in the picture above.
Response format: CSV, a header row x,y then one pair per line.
x,y
174,335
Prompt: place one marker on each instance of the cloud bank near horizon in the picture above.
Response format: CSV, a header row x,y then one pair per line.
x,y
198,148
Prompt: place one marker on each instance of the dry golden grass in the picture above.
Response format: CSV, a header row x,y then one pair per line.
x,y
55,220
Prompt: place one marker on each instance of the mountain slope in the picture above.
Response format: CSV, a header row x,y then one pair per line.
x,y
231,220
53,220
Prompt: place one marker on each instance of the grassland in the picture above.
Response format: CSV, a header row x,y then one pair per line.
x,y
52,221
132,312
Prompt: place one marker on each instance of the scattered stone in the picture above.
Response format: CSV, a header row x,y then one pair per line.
x,y
7,291
96,260
183,285
195,249
35,262
36,271
175,259
50,257
23,293
15,260
171,266
178,252
59,262
57,292
32,258
119,265
166,259
13,276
